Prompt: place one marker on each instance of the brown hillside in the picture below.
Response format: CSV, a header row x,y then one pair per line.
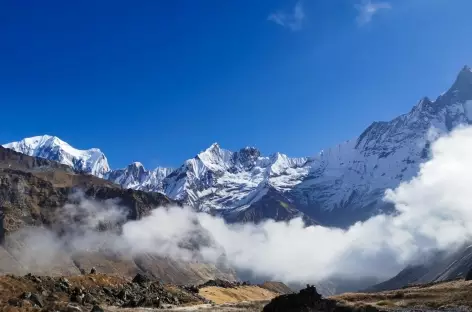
x,y
33,190
440,295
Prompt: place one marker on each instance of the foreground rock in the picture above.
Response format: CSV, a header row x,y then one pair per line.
x,y
309,300
89,293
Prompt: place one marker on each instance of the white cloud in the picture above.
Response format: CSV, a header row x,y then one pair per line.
x,y
367,9
433,213
293,20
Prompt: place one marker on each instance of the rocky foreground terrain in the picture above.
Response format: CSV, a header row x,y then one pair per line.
x,y
97,292
101,292
87,293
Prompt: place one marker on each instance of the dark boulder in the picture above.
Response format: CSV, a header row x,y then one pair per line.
x,y
14,302
218,283
108,291
141,279
97,308
88,298
192,288
309,300
468,276
123,294
37,300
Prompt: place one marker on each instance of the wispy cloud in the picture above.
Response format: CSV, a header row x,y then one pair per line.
x,y
367,9
292,20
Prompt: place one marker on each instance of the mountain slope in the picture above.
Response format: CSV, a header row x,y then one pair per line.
x,y
337,187
33,195
440,267
347,182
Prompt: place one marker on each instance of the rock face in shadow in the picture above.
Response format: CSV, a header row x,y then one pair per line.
x,y
28,200
309,300
468,276
14,160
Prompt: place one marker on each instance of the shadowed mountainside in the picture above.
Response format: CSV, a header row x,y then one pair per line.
x,y
32,192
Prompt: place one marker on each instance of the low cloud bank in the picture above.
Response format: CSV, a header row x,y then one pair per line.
x,y
433,213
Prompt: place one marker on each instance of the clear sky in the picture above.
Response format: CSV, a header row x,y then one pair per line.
x,y
157,81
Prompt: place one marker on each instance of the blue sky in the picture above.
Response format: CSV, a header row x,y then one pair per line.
x,y
158,81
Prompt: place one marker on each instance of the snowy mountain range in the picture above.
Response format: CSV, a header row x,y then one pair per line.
x,y
91,161
338,186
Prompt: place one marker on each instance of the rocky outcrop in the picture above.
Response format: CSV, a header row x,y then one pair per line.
x,y
468,276
309,300
219,283
30,200
89,292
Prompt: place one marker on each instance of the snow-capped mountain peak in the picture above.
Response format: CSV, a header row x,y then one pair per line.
x,y
462,88
91,161
215,158
465,74
136,164
340,185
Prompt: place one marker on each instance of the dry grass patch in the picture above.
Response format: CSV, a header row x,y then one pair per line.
x,y
452,294
238,294
94,280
